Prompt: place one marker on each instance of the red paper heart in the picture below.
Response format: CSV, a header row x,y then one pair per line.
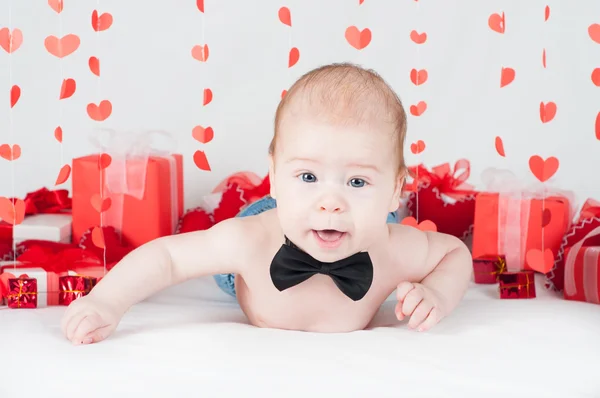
x,y
94,64
57,5
596,77
104,160
547,111
68,88
200,5
58,134
419,109
62,47
546,217
496,23
544,58
63,175
201,161
200,52
540,262
598,126
98,238
11,42
208,96
594,32
12,214
293,57
358,39
285,16
15,94
10,153
99,203
418,38
542,169
417,147
283,93
426,225
500,147
418,77
102,22
100,112
507,75
203,135
546,13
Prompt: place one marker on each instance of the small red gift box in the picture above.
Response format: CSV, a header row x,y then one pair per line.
x,y
517,285
22,293
73,287
146,196
442,196
487,268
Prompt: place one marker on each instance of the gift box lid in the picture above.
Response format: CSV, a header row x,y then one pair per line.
x,y
50,227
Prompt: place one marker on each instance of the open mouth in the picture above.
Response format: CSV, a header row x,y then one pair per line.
x,y
329,238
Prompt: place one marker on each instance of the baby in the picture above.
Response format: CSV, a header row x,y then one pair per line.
x,y
323,251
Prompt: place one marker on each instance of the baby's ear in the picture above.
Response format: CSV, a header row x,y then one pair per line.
x,y
400,181
271,176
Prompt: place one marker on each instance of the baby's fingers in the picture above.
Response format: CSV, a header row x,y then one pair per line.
x,y
420,314
88,325
403,289
412,300
433,318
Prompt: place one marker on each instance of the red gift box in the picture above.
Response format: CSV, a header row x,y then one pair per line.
x,y
581,272
487,268
588,220
517,285
22,293
145,194
73,287
442,196
46,281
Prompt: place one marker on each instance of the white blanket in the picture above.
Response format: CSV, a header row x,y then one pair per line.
x,y
193,340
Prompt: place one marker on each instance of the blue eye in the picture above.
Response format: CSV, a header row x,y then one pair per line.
x,y
357,183
308,177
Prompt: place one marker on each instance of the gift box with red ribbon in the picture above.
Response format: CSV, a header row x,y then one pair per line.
x,y
136,187
443,196
587,220
70,288
517,285
525,225
486,269
46,282
22,292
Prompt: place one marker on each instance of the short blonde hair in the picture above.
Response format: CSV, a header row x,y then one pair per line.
x,y
355,91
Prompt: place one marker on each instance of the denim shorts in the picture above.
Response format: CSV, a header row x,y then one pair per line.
x,y
227,281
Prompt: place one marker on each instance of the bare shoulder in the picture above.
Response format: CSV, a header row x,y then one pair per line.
x,y
416,253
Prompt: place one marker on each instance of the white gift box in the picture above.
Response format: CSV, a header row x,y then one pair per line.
x,y
49,227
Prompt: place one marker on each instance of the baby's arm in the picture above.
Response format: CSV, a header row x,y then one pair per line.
x,y
152,267
447,266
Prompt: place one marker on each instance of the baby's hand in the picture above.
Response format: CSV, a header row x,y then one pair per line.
x,y
89,320
419,302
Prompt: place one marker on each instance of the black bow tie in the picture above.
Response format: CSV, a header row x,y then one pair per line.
x,y
352,275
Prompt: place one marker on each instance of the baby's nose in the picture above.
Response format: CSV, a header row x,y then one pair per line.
x,y
331,204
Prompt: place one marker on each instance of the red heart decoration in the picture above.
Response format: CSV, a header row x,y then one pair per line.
x,y
540,262
58,134
293,57
598,126
546,217
57,5
419,109
99,203
544,58
201,161
285,16
542,169
418,77
98,238
12,214
506,76
68,88
357,38
200,5
102,22
500,147
426,225
100,112
15,94
94,64
11,42
594,32
596,77
283,93
104,160
62,47
10,153
417,147
496,23
418,38
546,13
63,175
208,96
200,52
547,111
203,135
194,220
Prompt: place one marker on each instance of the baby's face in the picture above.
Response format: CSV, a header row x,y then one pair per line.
x,y
334,185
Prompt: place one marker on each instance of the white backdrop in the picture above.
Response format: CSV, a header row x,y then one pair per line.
x,y
149,75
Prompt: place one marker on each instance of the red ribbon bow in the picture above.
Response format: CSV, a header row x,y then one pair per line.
x,y
448,181
45,201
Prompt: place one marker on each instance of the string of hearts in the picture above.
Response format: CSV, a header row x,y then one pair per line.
x,y
202,134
